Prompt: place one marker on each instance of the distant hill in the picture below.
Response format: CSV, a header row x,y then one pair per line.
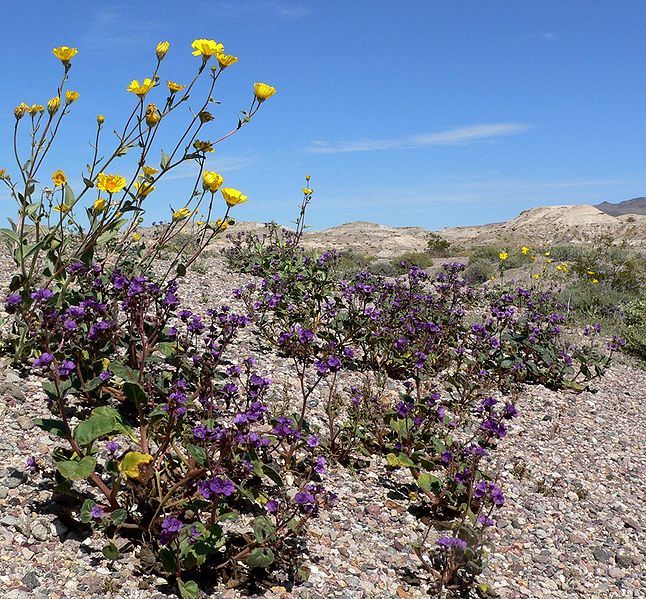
x,y
634,206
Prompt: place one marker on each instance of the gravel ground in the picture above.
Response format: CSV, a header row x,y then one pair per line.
x,y
573,470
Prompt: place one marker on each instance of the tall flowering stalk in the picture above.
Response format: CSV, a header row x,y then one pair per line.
x,y
99,222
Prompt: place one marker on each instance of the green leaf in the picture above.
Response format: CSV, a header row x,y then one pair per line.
x,y
181,270
428,483
124,372
392,460
260,557
86,508
197,453
111,552
52,426
135,392
165,160
69,195
11,235
76,470
263,528
97,425
118,517
188,589
166,348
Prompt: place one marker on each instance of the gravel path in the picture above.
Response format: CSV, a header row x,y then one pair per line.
x,y
573,469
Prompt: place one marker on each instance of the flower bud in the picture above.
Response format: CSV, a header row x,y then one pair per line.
x,y
71,96
100,119
162,48
152,115
19,111
53,105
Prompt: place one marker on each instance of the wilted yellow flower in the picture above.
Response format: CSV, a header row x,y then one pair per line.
x,y
64,208
181,214
162,48
59,178
110,183
53,105
152,115
226,60
141,89
19,111
3,173
136,236
34,109
99,205
143,189
307,191
174,87
232,196
262,91
206,48
131,464
65,53
212,181
203,146
524,250
149,171
503,256
71,96
221,224
100,119
205,116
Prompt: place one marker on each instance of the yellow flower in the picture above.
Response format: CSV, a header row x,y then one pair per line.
x,y
181,214
100,119
152,115
503,256
591,272
62,208
307,191
524,250
19,111
199,223
595,281
71,96
141,89
308,177
212,181
548,253
174,87
34,109
65,53
3,173
59,178
149,171
162,48
262,91
206,48
232,196
53,105
110,183
99,205
203,146
136,236
536,276
226,60
144,189
221,224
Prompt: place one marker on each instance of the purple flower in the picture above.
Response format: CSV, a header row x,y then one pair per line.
x,y
13,300
96,512
304,498
313,440
319,465
497,496
170,527
452,543
42,295
44,360
485,520
66,368
31,464
112,446
271,506
105,375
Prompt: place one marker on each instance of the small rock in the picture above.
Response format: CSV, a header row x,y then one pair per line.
x,y
600,554
624,559
25,423
39,531
30,580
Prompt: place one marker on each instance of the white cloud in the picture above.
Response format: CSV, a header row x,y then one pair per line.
x,y
461,135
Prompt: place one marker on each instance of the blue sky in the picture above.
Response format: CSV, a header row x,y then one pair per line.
x,y
428,113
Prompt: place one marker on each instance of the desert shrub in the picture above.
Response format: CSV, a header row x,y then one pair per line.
x,y
437,247
479,271
349,263
634,327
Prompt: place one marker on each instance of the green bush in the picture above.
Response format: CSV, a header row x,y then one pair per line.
x,y
479,271
634,328
438,247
